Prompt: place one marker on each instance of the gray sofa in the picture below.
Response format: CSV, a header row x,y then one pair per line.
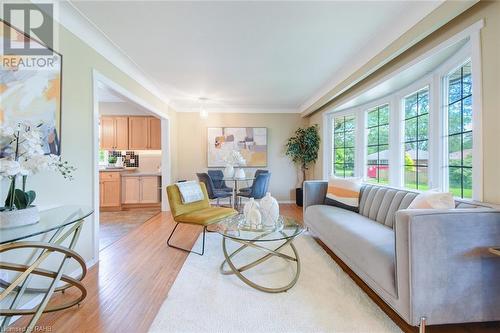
x,y
422,263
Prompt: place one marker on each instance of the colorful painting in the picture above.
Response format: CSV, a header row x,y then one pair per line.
x,y
30,89
251,142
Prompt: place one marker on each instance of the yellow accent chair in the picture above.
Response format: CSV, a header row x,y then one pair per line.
x,y
194,213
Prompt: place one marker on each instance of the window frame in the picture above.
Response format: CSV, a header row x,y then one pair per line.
x,y
437,171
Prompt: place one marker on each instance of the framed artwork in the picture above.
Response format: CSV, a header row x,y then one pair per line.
x,y
31,91
251,142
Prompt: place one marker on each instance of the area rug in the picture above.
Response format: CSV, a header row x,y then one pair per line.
x,y
324,299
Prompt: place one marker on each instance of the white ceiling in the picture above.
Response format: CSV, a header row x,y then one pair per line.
x,y
271,56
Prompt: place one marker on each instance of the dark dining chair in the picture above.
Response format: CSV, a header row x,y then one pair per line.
x,y
213,193
218,180
259,187
257,173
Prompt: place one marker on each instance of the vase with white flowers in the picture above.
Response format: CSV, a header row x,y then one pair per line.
x,y
232,159
22,155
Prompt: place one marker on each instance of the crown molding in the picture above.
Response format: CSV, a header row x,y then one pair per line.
x,y
233,109
82,27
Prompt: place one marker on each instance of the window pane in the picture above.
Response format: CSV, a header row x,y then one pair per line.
x,y
338,124
384,115
339,139
350,138
423,127
383,174
467,80
455,181
339,170
339,155
350,123
349,170
455,150
384,134
454,86
411,106
373,118
423,178
467,112
423,153
467,183
349,155
373,136
411,130
467,149
423,101
455,118
383,154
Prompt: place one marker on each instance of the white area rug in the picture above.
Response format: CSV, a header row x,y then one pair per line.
x,y
324,299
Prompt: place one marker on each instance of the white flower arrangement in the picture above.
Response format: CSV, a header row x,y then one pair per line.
x,y
22,155
234,158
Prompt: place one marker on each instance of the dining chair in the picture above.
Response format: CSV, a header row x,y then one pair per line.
x,y
195,213
257,173
213,193
258,189
218,180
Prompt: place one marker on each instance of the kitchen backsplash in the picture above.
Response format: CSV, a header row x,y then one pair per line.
x,y
144,161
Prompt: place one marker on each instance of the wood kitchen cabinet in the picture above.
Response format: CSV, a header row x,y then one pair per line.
x,y
114,133
144,133
141,190
109,190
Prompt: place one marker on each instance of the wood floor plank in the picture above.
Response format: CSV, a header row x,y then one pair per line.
x,y
134,275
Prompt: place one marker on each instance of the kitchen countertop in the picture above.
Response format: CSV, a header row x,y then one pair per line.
x,y
137,174
131,172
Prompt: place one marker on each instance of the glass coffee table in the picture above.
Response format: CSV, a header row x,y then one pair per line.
x,y
233,229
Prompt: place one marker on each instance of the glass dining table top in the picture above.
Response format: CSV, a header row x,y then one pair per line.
x,y
50,219
233,179
234,227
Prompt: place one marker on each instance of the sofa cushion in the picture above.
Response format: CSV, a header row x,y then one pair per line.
x,y
365,245
381,203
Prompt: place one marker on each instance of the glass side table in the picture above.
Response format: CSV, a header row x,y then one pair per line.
x,y
62,223
285,232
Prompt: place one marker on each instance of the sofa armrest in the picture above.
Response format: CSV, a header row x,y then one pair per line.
x,y
443,266
314,193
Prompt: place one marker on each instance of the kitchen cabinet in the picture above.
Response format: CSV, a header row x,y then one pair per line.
x,y
109,190
114,133
154,134
144,133
141,190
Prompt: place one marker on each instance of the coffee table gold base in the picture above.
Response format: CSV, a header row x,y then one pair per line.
x,y
270,253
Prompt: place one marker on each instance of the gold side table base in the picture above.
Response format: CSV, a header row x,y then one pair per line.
x,y
20,283
270,253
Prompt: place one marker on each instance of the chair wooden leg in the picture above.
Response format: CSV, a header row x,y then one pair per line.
x,y
186,250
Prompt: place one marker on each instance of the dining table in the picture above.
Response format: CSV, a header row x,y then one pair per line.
x,y
236,182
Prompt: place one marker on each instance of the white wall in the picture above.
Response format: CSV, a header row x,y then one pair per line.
x,y
192,145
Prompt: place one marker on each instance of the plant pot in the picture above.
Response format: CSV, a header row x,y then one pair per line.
x,y
299,196
19,217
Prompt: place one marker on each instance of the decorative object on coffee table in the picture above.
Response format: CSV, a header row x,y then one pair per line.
x,y
22,155
235,229
303,149
269,210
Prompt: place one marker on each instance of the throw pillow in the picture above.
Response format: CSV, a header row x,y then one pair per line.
x,y
433,200
343,193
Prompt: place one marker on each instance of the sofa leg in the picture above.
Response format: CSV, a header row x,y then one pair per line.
x,y
421,326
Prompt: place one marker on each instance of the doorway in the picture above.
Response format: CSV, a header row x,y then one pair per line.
x,y
131,160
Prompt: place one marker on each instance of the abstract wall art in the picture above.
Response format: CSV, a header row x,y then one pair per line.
x,y
30,89
251,142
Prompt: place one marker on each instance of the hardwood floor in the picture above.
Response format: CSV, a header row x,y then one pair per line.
x,y
115,225
134,275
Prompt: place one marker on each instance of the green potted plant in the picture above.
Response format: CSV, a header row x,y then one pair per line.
x,y
22,155
303,148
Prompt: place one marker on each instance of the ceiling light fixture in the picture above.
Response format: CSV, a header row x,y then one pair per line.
x,y
203,110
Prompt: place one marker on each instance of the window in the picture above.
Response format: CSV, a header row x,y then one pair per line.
x,y
378,144
344,137
459,115
416,140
